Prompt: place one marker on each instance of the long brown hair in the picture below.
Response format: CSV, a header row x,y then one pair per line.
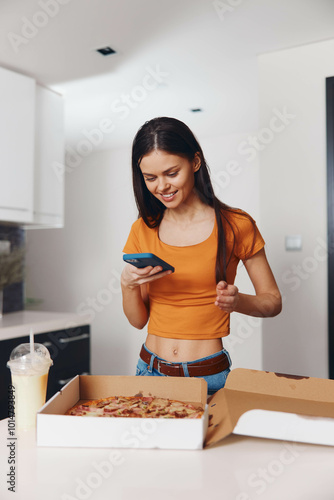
x,y
175,137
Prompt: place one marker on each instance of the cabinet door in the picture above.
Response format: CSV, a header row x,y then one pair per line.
x,y
17,112
70,351
49,159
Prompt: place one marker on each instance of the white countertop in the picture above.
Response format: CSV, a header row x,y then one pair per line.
x,y
238,468
18,324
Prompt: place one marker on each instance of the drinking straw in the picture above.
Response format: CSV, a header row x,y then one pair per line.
x,y
31,342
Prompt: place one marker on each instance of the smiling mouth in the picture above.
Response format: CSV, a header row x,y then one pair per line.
x,y
168,196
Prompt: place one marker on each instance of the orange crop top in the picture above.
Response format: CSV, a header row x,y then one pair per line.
x,y
182,303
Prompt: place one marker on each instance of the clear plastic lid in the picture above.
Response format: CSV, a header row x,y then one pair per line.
x,y
23,361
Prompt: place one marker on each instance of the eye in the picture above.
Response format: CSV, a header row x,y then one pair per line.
x,y
174,174
149,179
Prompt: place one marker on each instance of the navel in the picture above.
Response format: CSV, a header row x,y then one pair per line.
x,y
175,352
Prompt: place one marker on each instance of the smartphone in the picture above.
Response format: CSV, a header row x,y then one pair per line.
x,y
147,259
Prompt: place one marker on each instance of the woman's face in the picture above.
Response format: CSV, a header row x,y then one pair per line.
x,y
169,177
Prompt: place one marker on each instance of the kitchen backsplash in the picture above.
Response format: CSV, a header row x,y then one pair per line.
x,y
13,295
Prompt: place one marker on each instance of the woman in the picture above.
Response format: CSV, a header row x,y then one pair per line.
x,y
182,222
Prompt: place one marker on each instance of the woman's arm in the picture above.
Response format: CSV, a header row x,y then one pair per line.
x,y
134,291
267,300
134,307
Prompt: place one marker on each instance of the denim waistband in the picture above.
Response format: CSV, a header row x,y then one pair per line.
x,y
189,362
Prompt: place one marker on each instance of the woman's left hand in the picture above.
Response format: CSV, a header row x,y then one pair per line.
x,y
227,296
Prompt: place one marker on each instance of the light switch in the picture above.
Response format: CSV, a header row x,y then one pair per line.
x,y
293,242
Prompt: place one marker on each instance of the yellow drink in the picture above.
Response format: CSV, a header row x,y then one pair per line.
x,y
30,394
29,369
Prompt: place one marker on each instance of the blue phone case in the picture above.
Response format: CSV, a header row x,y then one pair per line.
x,y
146,259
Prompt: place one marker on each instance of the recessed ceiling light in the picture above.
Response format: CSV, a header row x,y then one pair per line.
x,y
106,51
196,110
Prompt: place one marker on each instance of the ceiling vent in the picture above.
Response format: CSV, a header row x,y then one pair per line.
x,y
106,51
196,110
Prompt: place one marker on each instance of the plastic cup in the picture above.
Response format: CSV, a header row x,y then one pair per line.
x,y
29,366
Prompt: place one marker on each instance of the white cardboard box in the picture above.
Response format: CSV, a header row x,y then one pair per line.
x,y
253,403
56,429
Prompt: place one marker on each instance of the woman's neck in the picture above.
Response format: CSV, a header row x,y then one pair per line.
x,y
192,209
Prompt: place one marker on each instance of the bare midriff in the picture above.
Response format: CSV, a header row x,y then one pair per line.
x,y
179,350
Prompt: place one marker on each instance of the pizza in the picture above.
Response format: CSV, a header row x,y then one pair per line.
x,y
136,406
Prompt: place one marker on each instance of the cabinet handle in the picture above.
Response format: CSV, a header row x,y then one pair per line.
x,y
66,340
47,344
65,381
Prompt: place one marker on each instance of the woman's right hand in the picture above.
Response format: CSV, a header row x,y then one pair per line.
x,y
132,276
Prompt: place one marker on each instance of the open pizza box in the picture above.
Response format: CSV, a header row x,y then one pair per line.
x,y
253,403
54,428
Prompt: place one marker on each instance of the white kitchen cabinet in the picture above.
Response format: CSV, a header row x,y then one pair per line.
x,y
48,208
17,129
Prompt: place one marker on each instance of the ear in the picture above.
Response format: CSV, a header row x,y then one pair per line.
x,y
196,162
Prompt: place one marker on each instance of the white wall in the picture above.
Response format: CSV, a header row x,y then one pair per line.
x,y
293,202
77,268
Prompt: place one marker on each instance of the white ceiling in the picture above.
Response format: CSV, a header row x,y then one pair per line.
x,y
205,59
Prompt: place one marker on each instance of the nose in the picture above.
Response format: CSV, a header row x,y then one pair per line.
x,y
163,184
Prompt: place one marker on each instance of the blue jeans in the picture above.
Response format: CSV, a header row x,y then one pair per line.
x,y
215,382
